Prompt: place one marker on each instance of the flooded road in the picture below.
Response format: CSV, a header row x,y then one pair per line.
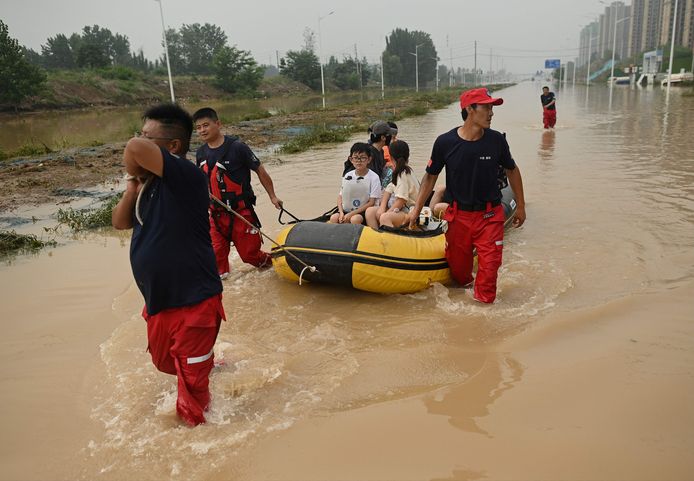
x,y
580,370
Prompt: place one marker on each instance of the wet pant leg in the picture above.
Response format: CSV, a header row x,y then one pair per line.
x,y
488,239
181,342
459,245
247,241
193,355
220,232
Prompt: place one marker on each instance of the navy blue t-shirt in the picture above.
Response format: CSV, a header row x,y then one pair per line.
x,y
545,99
237,158
472,167
171,253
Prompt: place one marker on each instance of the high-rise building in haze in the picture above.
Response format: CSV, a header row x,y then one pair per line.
x,y
645,25
614,15
648,26
683,32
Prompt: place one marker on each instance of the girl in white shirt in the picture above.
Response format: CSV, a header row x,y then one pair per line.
x,y
400,195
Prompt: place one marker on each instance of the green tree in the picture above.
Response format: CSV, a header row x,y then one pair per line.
x,y
192,47
175,48
236,70
343,75
364,70
58,53
402,43
303,67
120,50
20,79
95,47
392,69
32,56
139,62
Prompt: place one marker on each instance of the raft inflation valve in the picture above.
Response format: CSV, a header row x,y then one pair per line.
x,y
310,268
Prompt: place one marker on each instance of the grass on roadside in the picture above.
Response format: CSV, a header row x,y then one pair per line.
x,y
11,242
84,219
26,150
318,135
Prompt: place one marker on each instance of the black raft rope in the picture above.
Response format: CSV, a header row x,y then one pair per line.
x,y
281,247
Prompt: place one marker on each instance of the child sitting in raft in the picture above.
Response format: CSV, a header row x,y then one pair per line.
x,y
400,195
361,187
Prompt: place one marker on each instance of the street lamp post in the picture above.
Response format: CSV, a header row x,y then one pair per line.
x,y
590,40
383,88
573,77
437,72
416,66
320,55
672,48
166,49
614,47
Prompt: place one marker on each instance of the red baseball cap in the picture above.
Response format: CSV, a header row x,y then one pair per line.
x,y
478,96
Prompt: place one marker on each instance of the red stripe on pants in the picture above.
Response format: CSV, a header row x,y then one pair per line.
x,y
177,335
247,243
468,231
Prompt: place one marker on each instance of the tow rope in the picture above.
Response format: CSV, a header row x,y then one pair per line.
x,y
280,247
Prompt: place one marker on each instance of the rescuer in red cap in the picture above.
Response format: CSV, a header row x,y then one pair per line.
x,y
472,155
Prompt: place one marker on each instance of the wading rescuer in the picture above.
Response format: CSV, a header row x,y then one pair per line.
x,y
472,154
227,162
165,203
549,108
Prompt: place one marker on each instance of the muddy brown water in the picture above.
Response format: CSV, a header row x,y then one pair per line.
x,y
580,370
62,129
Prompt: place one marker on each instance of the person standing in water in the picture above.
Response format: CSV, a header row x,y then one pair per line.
x,y
472,154
165,203
227,163
549,108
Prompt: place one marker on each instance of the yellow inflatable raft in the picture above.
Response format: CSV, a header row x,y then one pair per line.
x,y
384,261
360,257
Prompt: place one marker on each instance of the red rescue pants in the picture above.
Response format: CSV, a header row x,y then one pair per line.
x,y
549,118
225,228
481,230
181,342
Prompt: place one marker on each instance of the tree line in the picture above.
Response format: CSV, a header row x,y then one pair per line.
x,y
204,49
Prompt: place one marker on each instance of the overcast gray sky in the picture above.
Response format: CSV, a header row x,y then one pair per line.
x,y
520,34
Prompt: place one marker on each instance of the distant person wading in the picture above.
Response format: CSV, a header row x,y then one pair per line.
x,y
549,108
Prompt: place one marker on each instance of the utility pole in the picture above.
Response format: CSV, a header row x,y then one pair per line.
x,y
450,64
383,91
277,54
356,59
590,39
166,51
416,65
320,57
475,62
491,72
